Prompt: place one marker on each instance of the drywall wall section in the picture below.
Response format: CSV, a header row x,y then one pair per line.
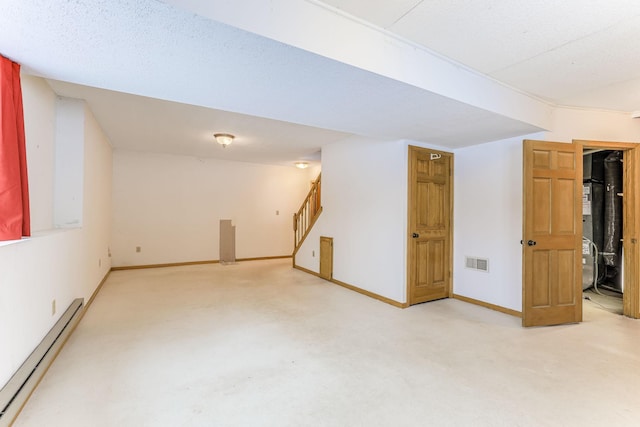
x,y
96,217
575,123
364,200
170,207
53,265
488,221
313,171
69,163
40,151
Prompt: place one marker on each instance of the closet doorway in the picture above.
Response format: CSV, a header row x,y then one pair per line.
x,y
610,225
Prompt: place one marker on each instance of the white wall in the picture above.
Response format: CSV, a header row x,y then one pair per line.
x,y
53,264
40,149
364,181
364,200
96,221
488,202
574,123
313,171
171,206
488,221
69,163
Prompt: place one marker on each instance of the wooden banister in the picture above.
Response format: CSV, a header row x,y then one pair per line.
x,y
307,215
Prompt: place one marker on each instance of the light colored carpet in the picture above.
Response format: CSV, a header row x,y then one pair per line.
x,y
260,344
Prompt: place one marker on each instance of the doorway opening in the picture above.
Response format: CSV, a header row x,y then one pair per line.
x,y
627,281
602,225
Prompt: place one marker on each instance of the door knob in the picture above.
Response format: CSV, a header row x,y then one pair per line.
x,y
415,235
531,242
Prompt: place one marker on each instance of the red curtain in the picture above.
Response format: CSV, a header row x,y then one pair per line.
x,y
14,190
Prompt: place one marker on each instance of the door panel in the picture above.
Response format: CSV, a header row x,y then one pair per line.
x,y
326,257
431,205
566,274
541,292
541,214
552,234
565,222
429,254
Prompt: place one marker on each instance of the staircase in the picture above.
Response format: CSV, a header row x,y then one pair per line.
x,y
307,215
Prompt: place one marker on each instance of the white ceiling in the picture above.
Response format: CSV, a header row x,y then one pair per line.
x,y
570,52
147,124
161,77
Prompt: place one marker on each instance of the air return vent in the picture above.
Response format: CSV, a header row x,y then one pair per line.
x,y
480,264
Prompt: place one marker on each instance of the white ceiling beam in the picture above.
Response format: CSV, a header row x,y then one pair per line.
x,y
318,28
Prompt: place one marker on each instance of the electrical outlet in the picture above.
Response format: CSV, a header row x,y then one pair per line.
x,y
99,262
53,307
313,253
138,249
277,212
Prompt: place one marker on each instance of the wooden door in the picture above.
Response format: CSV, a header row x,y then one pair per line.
x,y
430,211
631,232
552,234
326,258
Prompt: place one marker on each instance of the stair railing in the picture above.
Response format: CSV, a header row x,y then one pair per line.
x,y
307,215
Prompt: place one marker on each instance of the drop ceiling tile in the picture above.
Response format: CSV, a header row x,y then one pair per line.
x,y
378,12
593,62
493,34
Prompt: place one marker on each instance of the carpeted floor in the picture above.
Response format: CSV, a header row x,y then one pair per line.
x,y
261,344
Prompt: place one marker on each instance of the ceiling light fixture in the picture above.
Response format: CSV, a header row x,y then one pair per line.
x,y
223,139
301,165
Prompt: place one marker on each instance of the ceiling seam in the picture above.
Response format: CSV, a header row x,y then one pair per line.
x,y
406,13
515,64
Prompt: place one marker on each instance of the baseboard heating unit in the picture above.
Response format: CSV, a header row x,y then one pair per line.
x,y
15,393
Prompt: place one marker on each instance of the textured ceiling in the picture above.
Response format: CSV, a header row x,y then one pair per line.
x,y
168,77
156,50
571,52
152,125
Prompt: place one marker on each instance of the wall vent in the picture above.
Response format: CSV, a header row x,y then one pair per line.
x,y
480,264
